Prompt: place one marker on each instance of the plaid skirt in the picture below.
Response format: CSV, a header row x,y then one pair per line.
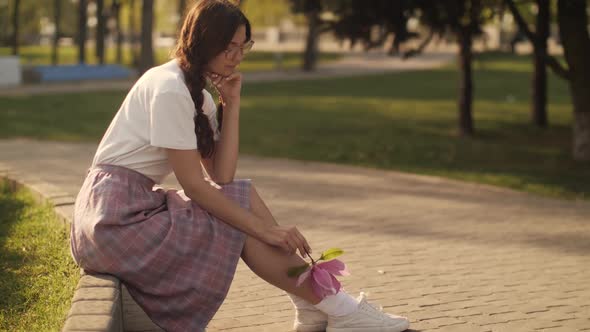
x,y
176,259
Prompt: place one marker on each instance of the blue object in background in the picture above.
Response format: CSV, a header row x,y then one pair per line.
x,y
82,72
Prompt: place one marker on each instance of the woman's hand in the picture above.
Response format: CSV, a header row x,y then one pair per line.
x,y
287,238
229,87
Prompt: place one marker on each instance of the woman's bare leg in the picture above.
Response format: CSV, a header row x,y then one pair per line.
x,y
271,263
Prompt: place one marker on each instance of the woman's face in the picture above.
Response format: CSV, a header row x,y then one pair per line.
x,y
226,62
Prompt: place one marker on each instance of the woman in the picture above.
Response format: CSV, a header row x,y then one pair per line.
x,y
176,251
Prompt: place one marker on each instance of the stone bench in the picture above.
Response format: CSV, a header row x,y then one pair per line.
x,y
82,72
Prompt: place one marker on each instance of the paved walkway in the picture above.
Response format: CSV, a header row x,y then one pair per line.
x,y
451,256
353,65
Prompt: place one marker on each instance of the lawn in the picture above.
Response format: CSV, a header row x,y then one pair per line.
x,y
38,276
254,61
399,121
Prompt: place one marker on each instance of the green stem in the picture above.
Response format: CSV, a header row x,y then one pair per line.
x,y
308,255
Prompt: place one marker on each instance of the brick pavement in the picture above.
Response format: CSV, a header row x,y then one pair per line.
x,y
452,256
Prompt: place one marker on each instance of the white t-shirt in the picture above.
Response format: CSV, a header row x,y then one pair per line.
x,y
157,113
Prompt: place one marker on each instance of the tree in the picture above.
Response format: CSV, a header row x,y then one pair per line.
x,y
312,13
573,31
357,20
100,31
132,34
464,19
574,35
539,40
146,59
56,32
15,27
181,10
312,10
82,30
116,14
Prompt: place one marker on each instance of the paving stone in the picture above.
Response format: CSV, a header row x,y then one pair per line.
x,y
453,255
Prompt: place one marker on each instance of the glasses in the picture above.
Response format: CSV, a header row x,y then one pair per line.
x,y
231,52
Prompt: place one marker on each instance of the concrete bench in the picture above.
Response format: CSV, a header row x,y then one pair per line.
x,y
100,302
81,72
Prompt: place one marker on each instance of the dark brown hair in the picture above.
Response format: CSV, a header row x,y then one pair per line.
x,y
207,30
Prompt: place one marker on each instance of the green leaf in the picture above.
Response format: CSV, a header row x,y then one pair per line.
x,y
297,270
331,254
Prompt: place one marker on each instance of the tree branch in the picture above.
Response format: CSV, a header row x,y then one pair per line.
x,y
550,61
557,67
520,21
420,48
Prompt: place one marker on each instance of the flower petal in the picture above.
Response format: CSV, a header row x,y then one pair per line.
x,y
322,277
335,267
324,280
304,276
318,290
336,284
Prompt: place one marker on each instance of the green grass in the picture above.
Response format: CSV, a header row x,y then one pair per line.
x,y
255,61
399,121
38,276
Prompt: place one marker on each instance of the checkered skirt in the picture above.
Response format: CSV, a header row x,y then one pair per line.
x,y
176,259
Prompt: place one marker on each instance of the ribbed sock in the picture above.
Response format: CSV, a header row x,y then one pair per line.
x,y
300,303
340,304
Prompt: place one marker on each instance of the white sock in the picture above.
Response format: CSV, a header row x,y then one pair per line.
x,y
340,304
300,303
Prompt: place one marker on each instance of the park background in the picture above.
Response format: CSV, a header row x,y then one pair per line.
x,y
510,109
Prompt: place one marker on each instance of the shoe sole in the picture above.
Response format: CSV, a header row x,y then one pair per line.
x,y
309,327
398,328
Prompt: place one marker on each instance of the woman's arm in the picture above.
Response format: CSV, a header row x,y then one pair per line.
x,y
223,164
224,161
213,201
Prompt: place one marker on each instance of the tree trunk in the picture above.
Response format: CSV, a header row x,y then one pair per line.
x,y
311,45
573,30
132,34
466,81
181,9
82,19
15,27
539,80
116,10
56,33
147,50
100,31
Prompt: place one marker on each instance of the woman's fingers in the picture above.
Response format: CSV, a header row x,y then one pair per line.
x,y
233,76
305,245
290,240
215,79
298,241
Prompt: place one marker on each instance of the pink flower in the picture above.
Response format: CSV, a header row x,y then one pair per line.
x,y
322,274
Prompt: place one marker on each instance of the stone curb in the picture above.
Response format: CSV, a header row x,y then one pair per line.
x,y
97,301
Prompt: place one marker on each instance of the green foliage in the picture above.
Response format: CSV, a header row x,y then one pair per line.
x,y
263,13
38,275
331,254
31,15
